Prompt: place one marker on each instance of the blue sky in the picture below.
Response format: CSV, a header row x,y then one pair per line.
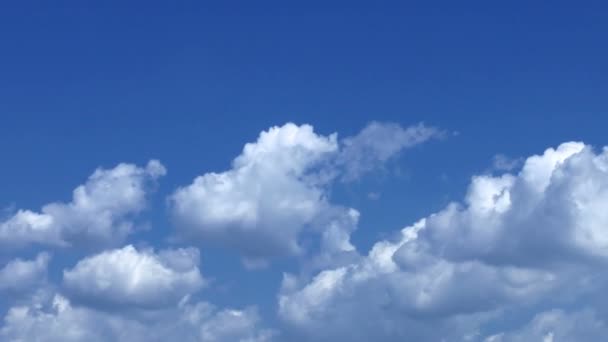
x,y
424,98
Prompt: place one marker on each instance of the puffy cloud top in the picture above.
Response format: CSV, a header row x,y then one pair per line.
x,y
127,277
20,275
100,211
518,240
277,189
264,201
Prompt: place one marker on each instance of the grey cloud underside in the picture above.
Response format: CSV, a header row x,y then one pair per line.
x,y
519,244
19,275
55,319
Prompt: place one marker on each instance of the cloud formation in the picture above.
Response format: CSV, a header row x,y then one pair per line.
x,y
377,143
128,278
557,325
259,206
19,275
55,319
100,212
278,188
519,258
519,241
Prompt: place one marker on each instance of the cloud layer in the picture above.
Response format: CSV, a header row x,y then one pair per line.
x,y
520,258
56,320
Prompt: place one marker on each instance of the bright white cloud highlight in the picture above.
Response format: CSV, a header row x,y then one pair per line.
x,y
127,277
263,203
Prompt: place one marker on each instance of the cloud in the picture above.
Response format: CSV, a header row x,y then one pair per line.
x,y
19,275
277,190
262,204
500,162
128,278
520,258
557,325
57,320
377,143
518,243
100,212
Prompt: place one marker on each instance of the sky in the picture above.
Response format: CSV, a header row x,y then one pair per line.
x,y
316,171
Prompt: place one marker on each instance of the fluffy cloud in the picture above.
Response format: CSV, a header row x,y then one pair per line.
x,y
278,188
127,278
100,211
520,258
19,275
518,242
263,203
58,320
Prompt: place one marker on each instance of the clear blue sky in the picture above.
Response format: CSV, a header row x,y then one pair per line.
x,y
86,85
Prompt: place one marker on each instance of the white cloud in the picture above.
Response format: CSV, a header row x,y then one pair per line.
x,y
377,143
127,277
557,325
57,320
100,211
277,189
519,241
20,275
263,203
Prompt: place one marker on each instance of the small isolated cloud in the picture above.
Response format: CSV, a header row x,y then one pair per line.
x,y
377,143
374,196
20,275
100,212
130,278
501,162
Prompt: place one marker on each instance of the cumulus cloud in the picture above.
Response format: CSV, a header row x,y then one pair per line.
x,y
20,275
128,278
520,258
100,211
57,320
277,189
518,242
263,203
